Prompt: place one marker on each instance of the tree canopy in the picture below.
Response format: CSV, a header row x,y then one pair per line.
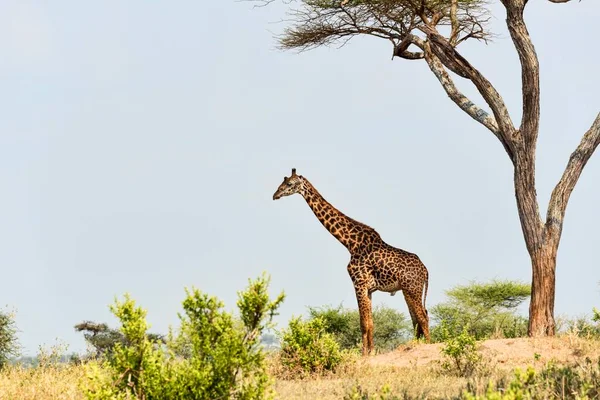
x,y
324,22
484,309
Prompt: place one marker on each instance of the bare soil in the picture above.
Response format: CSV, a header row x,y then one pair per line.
x,y
510,353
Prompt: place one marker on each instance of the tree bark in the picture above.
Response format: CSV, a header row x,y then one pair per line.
x,y
541,307
542,245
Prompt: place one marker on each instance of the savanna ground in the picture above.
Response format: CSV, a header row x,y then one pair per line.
x,y
413,369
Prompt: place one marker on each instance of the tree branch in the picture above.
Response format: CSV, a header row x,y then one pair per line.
x,y
460,99
400,50
562,191
457,63
454,22
322,22
530,71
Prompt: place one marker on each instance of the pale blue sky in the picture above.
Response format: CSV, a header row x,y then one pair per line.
x,y
141,142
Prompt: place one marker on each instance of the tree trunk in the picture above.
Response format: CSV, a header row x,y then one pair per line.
x,y
542,245
541,307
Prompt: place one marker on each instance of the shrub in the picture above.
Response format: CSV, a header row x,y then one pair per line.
x,y
356,392
582,327
488,309
554,381
596,315
307,348
212,355
391,327
460,353
9,346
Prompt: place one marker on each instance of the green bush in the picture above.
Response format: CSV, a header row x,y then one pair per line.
x,y
356,392
596,315
212,355
554,381
460,353
9,346
391,327
488,309
582,326
307,348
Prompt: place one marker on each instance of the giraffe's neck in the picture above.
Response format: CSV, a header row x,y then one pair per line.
x,y
352,234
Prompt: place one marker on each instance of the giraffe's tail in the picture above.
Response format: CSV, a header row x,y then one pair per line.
x,y
425,293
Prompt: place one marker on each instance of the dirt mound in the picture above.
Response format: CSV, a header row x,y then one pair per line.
x,y
503,352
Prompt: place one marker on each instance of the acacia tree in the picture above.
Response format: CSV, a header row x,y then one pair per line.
x,y
432,30
9,346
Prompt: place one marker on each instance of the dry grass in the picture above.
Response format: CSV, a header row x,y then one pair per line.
x,y
418,382
58,382
413,369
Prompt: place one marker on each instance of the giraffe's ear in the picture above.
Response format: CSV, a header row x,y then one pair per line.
x,y
293,171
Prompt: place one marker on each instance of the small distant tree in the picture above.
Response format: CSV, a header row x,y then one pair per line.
x,y
391,326
485,309
269,341
9,346
103,339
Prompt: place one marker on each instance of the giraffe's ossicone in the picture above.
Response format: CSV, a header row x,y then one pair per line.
x,y
374,265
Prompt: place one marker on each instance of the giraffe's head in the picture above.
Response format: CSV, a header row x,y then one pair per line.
x,y
289,186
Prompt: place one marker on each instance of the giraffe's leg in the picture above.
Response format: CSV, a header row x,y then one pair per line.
x,y
413,318
366,319
415,306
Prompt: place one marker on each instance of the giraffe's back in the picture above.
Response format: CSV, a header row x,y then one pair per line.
x,y
392,269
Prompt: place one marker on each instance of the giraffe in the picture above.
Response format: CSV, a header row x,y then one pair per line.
x,y
374,265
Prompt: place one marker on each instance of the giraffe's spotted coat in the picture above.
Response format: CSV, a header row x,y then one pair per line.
x,y
374,265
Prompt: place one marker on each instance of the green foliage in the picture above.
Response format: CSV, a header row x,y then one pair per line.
x,y
212,356
580,381
385,393
391,327
488,309
307,348
497,294
583,326
9,346
460,353
596,315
